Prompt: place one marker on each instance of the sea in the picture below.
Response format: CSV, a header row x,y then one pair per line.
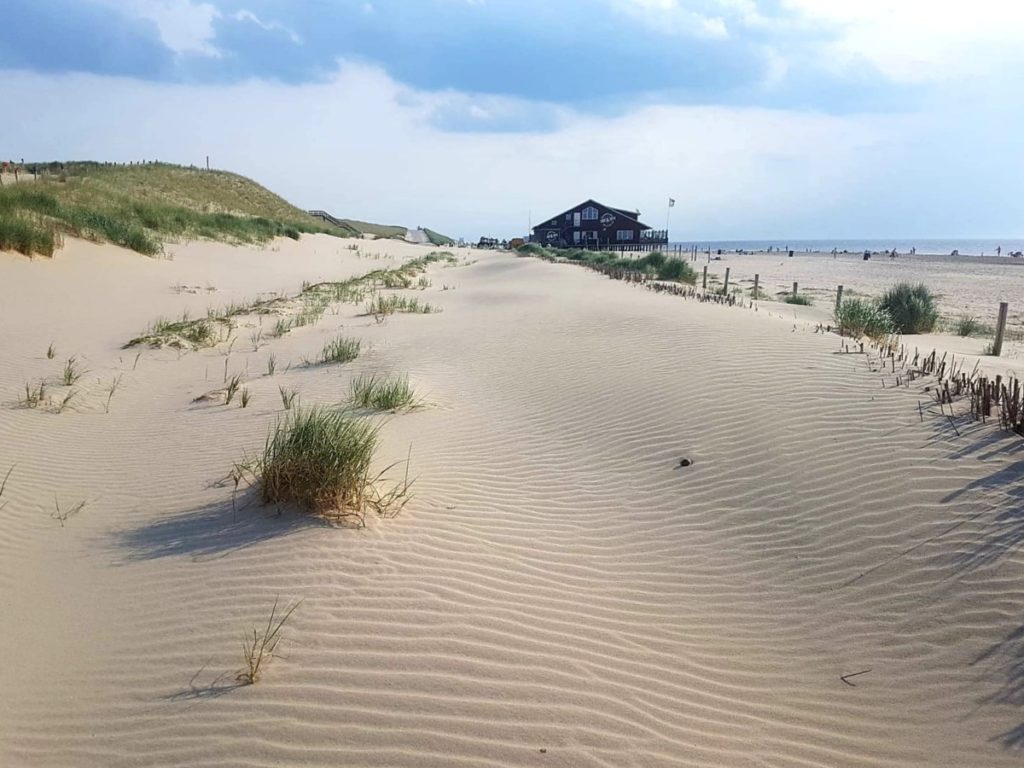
x,y
986,247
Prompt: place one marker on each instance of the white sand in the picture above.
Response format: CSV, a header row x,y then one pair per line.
x,y
558,593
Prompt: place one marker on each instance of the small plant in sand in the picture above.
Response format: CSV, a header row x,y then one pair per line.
x,y
72,373
674,269
256,337
66,400
287,397
244,397
968,326
382,306
271,364
281,327
911,307
862,317
3,487
340,350
63,515
51,351
232,388
320,459
115,384
798,298
185,332
34,396
259,648
384,393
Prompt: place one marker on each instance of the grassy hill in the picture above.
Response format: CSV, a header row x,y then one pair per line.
x,y
378,230
140,206
436,238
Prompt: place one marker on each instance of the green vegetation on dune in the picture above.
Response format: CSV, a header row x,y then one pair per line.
x,y
140,206
436,238
655,264
377,230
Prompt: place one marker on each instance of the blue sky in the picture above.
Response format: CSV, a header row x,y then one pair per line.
x,y
770,118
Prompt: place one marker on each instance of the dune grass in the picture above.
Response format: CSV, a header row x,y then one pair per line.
x,y
911,307
34,396
340,350
388,305
669,269
287,397
798,298
966,325
863,317
384,393
321,459
259,648
184,332
138,207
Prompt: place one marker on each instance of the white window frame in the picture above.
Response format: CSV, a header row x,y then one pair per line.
x,y
590,213
623,235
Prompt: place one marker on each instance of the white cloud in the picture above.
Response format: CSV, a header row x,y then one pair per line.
x,y
185,27
270,26
919,41
673,17
365,146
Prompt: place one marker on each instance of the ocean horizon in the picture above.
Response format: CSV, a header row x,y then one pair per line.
x,y
923,246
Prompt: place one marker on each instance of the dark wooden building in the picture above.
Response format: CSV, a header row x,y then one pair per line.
x,y
592,225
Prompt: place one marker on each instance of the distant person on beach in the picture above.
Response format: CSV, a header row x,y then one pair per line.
x,y
999,250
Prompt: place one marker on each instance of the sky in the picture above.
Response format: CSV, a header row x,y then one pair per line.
x,y
777,119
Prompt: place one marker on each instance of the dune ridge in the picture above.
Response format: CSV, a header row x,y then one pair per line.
x,y
559,592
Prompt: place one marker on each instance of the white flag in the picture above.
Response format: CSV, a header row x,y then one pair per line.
x,y
671,202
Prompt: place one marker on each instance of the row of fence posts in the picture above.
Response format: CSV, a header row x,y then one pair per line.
x,y
997,344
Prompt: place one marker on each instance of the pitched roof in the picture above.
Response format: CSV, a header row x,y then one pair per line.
x,y
632,215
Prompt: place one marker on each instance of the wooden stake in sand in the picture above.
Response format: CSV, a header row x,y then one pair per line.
x,y
839,297
997,345
795,286
704,285
725,288
757,279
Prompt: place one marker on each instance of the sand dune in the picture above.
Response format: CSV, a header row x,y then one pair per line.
x,y
559,592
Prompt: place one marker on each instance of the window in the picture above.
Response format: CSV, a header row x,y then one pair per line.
x,y
624,234
590,213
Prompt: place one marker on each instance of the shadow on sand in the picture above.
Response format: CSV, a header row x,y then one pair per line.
x,y
1007,658
215,530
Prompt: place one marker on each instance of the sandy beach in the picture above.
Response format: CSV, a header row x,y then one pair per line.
x,y
833,580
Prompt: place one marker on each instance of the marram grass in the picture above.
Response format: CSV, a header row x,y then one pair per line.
x,y
320,459
383,393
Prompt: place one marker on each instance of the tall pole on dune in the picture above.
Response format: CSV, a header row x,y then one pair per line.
x,y
668,215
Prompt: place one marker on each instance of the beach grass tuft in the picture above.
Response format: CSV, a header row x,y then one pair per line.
x,y
911,307
34,396
340,350
320,458
384,393
258,649
72,372
287,397
798,298
862,317
232,388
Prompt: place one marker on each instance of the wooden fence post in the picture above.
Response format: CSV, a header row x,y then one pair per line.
x,y
839,297
997,345
704,285
795,286
725,288
757,279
